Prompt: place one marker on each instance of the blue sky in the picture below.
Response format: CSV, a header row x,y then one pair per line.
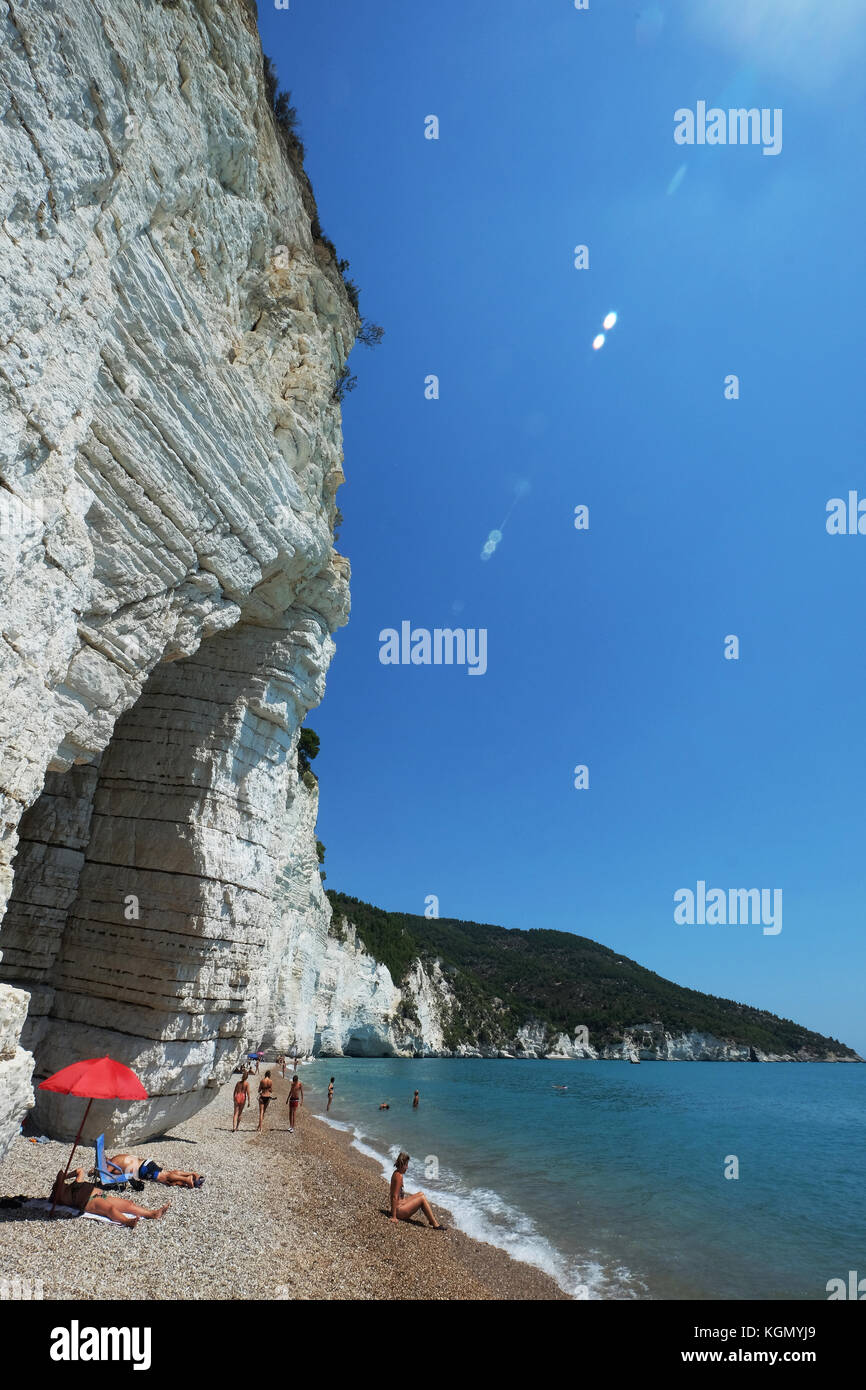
x,y
707,516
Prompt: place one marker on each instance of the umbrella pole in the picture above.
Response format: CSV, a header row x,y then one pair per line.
x,y
72,1155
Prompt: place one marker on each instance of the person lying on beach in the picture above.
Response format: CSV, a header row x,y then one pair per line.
x,y
86,1196
147,1170
293,1100
266,1087
241,1097
402,1208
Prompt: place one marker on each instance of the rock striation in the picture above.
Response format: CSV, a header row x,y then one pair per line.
x,y
171,332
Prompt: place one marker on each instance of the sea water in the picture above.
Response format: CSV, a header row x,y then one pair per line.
x,y
617,1185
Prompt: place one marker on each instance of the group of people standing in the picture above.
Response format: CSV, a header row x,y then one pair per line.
x,y
402,1207
241,1098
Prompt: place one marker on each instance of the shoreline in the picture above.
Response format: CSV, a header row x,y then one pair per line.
x,y
280,1217
563,1057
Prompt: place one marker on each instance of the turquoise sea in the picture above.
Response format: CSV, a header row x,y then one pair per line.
x,y
616,1186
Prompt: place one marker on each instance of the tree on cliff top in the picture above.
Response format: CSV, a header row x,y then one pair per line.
x,y
285,114
308,749
371,334
288,124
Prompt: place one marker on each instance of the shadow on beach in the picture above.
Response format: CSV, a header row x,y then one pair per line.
x,y
386,1211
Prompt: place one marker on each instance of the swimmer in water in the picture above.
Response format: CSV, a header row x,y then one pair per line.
x,y
384,1105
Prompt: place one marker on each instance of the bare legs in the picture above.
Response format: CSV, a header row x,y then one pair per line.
x,y
123,1212
176,1177
236,1122
417,1202
117,1209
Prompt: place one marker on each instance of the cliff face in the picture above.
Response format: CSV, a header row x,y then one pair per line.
x,y
169,454
336,1000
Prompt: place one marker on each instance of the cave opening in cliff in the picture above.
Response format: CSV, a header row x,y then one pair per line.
x,y
140,908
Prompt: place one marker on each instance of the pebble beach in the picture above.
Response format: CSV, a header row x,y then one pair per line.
x,y
280,1217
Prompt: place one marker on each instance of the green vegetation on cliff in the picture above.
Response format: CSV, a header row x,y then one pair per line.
x,y
503,979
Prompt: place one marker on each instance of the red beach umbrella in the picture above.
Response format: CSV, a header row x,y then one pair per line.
x,y
98,1078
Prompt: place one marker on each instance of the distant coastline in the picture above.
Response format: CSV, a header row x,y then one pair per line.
x,y
401,984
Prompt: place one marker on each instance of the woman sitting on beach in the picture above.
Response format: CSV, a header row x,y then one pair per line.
x,y
86,1196
403,1208
134,1167
241,1098
266,1087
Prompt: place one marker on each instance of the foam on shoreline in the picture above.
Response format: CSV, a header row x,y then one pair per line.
x,y
281,1217
485,1216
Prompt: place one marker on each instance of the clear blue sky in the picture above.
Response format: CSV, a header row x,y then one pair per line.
x,y
707,516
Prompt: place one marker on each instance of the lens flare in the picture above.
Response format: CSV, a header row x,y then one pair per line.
x,y
677,179
609,320
490,544
598,341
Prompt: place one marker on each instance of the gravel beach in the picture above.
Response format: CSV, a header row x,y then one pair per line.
x,y
280,1216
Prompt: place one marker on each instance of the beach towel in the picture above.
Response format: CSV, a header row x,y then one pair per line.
x,y
40,1204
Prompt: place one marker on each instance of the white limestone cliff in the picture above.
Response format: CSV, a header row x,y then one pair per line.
x,y
16,1065
171,332
170,446
337,1000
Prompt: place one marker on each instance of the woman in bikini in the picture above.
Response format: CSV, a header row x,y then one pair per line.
x,y
403,1208
294,1099
241,1098
87,1197
266,1087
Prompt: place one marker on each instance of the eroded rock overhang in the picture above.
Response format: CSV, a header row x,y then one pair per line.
x,y
170,450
